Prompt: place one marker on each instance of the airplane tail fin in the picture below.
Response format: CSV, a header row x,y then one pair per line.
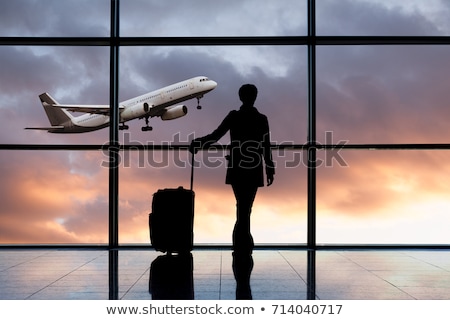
x,y
56,116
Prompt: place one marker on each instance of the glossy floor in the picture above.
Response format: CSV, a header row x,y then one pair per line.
x,y
209,274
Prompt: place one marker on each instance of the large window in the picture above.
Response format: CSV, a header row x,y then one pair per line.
x,y
355,92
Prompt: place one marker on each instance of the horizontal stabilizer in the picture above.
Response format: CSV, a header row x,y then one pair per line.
x,y
45,128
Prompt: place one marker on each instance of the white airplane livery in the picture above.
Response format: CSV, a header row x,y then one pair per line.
x,y
163,103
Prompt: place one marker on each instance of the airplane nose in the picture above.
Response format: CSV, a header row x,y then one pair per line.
x,y
213,84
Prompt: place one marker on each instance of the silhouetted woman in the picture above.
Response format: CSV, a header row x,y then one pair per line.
x,y
250,151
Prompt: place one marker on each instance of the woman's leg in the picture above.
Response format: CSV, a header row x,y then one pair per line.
x,y
242,238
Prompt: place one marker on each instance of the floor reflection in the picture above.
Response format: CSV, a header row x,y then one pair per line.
x,y
242,270
171,277
69,274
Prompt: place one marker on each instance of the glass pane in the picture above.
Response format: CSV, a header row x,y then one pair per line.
x,y
55,197
279,211
383,18
383,94
383,197
55,18
213,18
71,75
279,72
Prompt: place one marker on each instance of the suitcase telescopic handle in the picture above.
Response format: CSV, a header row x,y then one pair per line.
x,y
192,171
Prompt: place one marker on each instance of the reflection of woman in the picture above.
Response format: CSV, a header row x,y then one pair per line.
x,y
250,144
242,270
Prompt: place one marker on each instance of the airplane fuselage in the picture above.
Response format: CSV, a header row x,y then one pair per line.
x,y
162,103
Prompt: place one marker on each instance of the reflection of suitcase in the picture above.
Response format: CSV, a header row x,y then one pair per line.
x,y
171,278
171,221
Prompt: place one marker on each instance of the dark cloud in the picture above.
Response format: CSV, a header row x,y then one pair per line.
x,y
22,70
54,18
218,18
372,18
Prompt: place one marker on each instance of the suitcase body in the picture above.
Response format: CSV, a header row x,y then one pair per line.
x,y
171,221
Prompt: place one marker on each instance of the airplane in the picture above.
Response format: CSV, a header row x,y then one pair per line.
x,y
163,103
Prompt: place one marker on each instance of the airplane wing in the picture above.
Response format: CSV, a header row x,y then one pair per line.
x,y
45,128
95,109
156,111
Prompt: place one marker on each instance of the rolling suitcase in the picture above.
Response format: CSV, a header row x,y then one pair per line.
x,y
171,221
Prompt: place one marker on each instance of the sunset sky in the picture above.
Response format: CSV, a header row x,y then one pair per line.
x,y
365,94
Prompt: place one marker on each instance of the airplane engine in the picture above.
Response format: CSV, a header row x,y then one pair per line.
x,y
174,112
